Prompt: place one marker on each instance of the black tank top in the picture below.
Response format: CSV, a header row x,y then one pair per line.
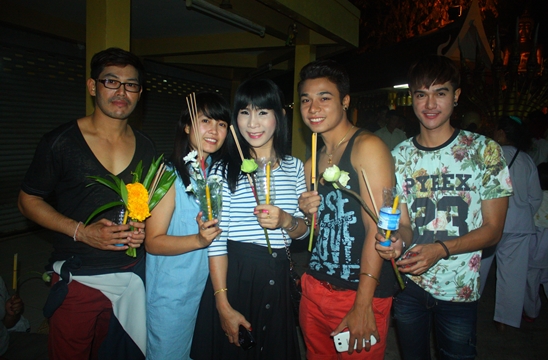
x,y
337,252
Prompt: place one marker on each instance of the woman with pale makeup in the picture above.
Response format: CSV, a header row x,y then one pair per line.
x,y
177,238
249,287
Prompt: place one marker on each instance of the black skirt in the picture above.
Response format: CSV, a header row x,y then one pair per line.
x,y
258,287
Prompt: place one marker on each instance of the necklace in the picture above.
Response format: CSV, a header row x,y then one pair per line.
x,y
330,156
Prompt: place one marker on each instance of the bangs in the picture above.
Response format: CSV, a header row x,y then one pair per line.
x,y
258,95
433,70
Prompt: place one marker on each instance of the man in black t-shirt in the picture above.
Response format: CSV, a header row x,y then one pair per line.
x,y
348,285
102,274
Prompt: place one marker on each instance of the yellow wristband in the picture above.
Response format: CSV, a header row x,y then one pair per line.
x,y
220,290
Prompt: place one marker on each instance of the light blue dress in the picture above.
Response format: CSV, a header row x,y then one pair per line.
x,y
174,286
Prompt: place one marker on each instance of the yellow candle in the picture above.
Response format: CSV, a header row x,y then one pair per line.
x,y
394,207
313,159
313,183
268,183
209,209
15,272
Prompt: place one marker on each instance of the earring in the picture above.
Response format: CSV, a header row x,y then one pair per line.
x,y
455,104
345,108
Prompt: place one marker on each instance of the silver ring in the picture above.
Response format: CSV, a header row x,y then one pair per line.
x,y
203,228
367,341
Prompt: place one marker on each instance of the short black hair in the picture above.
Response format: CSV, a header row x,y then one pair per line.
x,y
433,70
327,68
115,57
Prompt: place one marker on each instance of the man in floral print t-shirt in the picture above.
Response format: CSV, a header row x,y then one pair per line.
x,y
443,189
455,185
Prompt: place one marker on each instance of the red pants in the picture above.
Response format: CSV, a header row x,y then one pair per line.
x,y
79,326
322,310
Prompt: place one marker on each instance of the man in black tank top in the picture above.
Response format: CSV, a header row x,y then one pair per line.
x,y
348,286
96,145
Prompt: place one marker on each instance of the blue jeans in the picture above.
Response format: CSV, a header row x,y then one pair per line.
x,y
454,325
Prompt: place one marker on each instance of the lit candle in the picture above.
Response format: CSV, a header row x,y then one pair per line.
x,y
268,183
15,272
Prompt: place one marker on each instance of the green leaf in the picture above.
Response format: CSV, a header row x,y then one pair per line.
x,y
111,185
152,171
103,208
138,172
131,252
123,191
165,183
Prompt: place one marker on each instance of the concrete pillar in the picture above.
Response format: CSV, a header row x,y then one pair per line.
x,y
302,136
107,25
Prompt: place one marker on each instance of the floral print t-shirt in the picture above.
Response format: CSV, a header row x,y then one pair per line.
x,y
443,188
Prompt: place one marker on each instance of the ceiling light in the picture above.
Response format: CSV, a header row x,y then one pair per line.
x,y
231,18
401,86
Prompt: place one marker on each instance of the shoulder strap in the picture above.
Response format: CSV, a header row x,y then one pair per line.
x,y
514,158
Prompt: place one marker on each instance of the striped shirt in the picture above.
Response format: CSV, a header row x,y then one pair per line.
x,y
238,221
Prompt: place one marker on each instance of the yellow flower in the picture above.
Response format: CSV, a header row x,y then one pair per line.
x,y
137,201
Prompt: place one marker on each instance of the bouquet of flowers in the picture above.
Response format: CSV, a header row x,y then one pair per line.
x,y
137,198
208,191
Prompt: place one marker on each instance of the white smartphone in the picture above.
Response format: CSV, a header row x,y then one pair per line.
x,y
342,341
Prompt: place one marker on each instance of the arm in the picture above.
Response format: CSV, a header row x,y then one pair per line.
x,y
102,234
230,318
272,217
489,233
14,307
360,320
159,243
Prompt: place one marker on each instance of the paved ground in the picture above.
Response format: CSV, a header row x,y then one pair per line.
x,y
530,342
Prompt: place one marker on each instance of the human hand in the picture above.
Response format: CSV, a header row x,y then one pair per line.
x,y
360,322
105,235
208,230
137,236
309,202
230,322
14,305
394,250
426,256
270,216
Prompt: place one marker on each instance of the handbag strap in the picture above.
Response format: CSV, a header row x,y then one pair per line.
x,y
287,250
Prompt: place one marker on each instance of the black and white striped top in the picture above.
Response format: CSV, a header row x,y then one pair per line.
x,y
238,221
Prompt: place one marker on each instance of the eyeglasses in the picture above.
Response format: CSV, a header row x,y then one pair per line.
x,y
115,84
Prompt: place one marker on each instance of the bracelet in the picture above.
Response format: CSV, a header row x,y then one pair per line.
x,y
372,277
293,226
220,290
307,221
444,248
76,231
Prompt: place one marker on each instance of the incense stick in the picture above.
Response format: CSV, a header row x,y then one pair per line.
x,y
242,157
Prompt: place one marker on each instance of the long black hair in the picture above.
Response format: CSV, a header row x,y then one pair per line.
x,y
259,94
213,106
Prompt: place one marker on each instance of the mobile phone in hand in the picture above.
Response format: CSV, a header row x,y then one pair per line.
x,y
342,341
245,338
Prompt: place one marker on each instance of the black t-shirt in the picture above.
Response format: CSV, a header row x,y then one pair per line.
x,y
337,255
59,174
